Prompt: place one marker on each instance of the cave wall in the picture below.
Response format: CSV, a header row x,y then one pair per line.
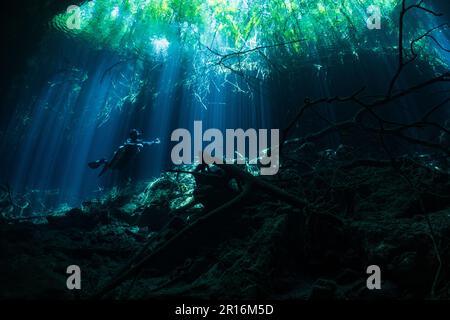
x,y
24,23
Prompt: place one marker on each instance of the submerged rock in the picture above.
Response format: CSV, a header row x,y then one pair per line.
x,y
262,248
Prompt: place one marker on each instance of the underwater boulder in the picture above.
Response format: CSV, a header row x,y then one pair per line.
x,y
325,290
75,218
155,217
122,216
344,153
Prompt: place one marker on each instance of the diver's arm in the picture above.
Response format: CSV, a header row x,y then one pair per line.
x,y
149,143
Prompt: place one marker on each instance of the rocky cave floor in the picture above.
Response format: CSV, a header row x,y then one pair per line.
x,y
264,248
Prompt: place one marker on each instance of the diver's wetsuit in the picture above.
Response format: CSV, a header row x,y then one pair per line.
x,y
123,156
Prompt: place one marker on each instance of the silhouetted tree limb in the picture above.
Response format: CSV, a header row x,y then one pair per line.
x,y
368,107
401,63
224,57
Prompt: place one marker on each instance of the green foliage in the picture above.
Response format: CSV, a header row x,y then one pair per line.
x,y
233,37
224,24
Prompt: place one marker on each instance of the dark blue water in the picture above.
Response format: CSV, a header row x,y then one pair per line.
x,y
78,104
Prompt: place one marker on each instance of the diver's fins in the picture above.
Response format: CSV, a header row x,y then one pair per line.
x,y
97,164
105,167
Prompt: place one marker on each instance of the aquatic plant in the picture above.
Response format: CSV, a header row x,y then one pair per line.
x,y
242,43
224,24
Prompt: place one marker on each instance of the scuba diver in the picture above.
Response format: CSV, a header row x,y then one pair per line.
x,y
124,154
